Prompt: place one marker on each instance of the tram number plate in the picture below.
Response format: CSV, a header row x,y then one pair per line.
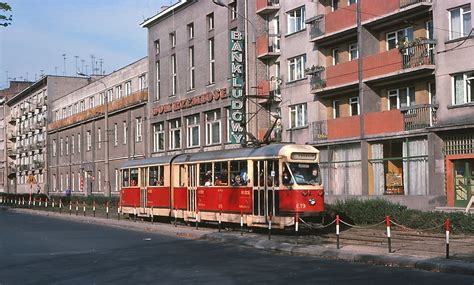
x,y
245,192
300,206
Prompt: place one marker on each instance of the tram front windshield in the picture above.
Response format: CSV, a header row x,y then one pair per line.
x,y
305,173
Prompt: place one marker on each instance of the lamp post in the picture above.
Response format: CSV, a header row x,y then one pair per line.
x,y
106,122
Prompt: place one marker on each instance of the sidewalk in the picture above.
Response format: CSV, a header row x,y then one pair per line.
x,y
420,251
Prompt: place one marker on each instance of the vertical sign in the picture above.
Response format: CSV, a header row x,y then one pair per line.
x,y
237,100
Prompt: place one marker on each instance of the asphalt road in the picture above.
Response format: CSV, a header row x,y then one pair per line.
x,y
43,250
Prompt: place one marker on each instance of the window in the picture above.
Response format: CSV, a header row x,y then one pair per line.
x,y
213,127
82,106
54,148
463,88
174,76
354,106
429,29
334,5
128,88
432,92
89,140
138,129
298,116
173,39
73,144
118,92
115,134
101,98
125,130
78,143
99,138
296,67
210,22
64,113
350,2
205,174
221,173
157,47
212,62
158,137
142,85
110,95
156,176
91,102
399,98
191,31
295,20
233,10
191,68
336,109
158,81
401,35
76,108
69,110
125,178
353,52
193,130
73,182
61,153
99,181
175,134
335,56
460,22
66,143
117,179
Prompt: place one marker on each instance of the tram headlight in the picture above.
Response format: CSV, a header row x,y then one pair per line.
x,y
312,201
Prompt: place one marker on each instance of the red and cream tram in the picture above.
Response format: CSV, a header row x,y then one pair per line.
x,y
276,180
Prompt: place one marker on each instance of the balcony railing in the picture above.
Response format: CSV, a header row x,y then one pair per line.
x,y
406,3
419,116
418,54
317,82
316,27
319,130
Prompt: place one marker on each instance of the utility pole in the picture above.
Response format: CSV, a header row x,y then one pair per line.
x,y
76,71
364,151
64,58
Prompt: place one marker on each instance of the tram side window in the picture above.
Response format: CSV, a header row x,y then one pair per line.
x,y
125,180
133,177
239,173
156,176
221,173
205,174
272,175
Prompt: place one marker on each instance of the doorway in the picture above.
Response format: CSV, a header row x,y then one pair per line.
x,y
463,181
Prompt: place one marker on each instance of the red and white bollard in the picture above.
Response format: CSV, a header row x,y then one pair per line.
x,y
387,222
77,207
337,230
46,203
53,204
60,205
40,202
84,207
107,209
447,238
270,227
70,207
297,219
241,224
197,219
220,220
93,208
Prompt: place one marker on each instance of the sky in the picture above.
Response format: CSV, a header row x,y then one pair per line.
x,y
43,30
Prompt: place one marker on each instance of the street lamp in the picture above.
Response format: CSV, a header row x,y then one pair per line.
x,y
106,121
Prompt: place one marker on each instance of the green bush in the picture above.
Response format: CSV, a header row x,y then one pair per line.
x,y
369,212
99,200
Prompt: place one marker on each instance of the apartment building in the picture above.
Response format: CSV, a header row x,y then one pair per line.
x,y
27,132
6,137
97,127
190,76
455,99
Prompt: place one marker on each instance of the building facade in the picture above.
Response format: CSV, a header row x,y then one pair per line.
x,y
90,139
190,76
6,137
27,124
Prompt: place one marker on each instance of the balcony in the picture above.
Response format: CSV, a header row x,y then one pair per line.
x,y
267,6
419,116
135,98
407,119
268,46
37,164
343,20
23,167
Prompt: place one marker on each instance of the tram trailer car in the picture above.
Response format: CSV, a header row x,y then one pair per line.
x,y
274,182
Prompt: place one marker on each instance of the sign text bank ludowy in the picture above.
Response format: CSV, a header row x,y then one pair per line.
x,y
237,103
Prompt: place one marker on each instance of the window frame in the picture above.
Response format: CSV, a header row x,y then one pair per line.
x,y
172,131
192,77
174,75
299,24
297,109
297,62
212,61
157,132
352,101
193,122
210,122
352,48
461,17
467,92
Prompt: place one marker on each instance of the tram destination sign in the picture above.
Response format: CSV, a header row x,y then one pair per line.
x,y
237,99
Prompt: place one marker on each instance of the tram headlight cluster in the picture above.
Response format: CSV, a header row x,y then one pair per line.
x,y
312,201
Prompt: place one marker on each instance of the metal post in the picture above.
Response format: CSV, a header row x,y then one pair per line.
x,y
447,238
84,207
107,210
93,208
70,207
77,207
241,224
60,205
337,231
387,222
197,219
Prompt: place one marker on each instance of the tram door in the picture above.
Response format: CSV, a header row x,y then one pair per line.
x,y
265,187
192,189
143,191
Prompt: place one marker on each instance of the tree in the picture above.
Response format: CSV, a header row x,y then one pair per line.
x,y
5,20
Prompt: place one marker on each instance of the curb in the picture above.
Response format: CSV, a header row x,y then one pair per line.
x,y
433,264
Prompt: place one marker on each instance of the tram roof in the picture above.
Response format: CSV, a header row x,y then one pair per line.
x,y
268,151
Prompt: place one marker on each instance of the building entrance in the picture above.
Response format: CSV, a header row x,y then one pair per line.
x,y
463,181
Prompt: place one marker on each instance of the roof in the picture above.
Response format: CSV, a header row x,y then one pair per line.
x,y
164,12
268,151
